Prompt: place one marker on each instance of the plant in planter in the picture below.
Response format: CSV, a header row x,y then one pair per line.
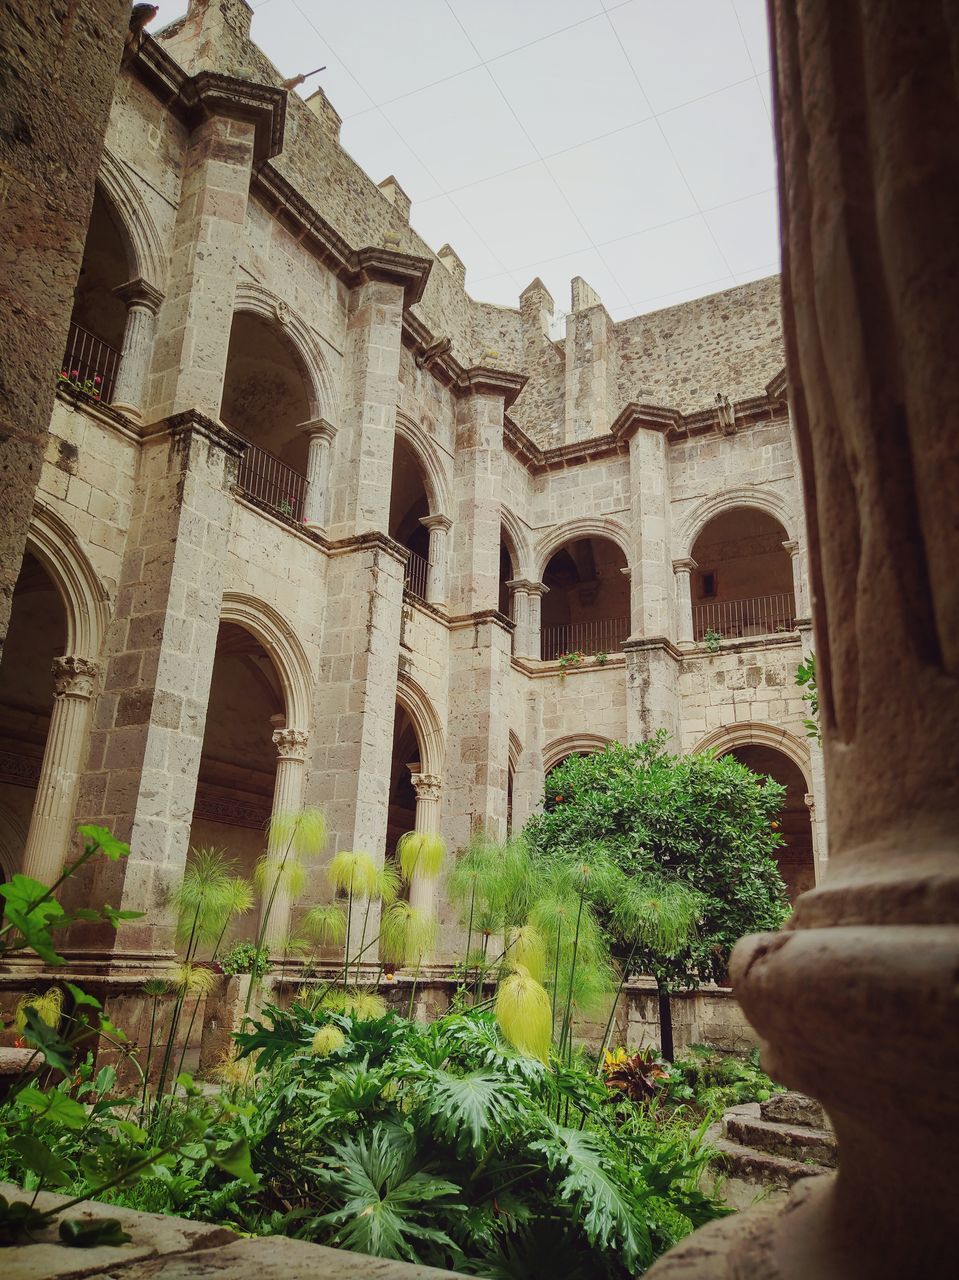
x,y
567,660
712,640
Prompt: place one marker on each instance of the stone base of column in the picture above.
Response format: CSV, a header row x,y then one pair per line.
x,y
130,411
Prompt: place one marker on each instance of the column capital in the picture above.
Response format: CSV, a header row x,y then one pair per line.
x,y
792,547
291,744
437,521
426,785
318,429
531,588
140,293
74,677
685,565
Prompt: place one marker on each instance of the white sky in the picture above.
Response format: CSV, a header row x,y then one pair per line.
x,y
626,141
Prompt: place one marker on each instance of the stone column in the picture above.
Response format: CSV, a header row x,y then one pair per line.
x,y
143,303
291,747
439,527
869,179
423,890
535,592
51,824
683,570
321,434
58,75
519,612
529,778
791,547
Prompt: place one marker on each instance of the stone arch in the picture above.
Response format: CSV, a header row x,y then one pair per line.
x,y
135,220
426,724
515,750
587,527
755,733
433,467
572,744
84,597
296,333
762,499
283,648
517,541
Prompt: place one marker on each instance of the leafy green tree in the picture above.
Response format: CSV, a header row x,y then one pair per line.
x,y
708,823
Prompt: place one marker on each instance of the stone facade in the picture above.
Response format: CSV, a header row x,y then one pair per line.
x,y
549,494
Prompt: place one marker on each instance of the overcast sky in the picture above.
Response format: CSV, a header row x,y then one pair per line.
x,y
626,141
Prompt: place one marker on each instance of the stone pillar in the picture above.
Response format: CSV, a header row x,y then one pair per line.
x,y
527,640
791,547
439,527
51,824
423,889
143,303
147,732
590,364
869,178
291,747
683,570
519,612
321,434
529,779
58,75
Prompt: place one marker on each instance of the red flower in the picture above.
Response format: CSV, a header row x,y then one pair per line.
x,y
74,373
97,380
559,799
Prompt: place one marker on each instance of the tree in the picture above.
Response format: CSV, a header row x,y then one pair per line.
x,y
706,822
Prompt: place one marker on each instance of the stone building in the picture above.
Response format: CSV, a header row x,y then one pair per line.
x,y
314,526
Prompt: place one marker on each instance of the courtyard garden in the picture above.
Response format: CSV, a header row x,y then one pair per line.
x,y
515,1135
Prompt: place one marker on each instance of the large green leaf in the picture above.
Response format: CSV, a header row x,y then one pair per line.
x,y
39,1159
469,1111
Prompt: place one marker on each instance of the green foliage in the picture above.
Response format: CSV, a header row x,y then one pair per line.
x,y
697,826
245,957
806,680
712,640
713,1081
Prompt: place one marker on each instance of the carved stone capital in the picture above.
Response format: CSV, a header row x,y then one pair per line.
x,y
791,547
319,429
291,744
438,521
140,293
74,677
531,588
427,786
686,565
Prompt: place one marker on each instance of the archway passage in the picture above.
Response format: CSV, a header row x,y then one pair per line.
x,y
743,583
267,400
409,503
237,774
586,608
95,341
795,857
406,752
37,635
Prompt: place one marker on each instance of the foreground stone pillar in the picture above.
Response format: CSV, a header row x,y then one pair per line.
x,y
51,824
58,74
439,527
683,570
423,889
321,435
143,303
291,745
866,99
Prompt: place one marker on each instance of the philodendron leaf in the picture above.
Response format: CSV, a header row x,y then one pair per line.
x,y
38,1158
89,1235
105,841
235,1159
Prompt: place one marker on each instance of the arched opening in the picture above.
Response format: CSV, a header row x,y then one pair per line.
x,y
743,583
266,400
795,857
409,503
237,773
37,634
406,752
507,572
586,608
95,341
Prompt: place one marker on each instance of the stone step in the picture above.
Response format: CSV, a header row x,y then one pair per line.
x,y
795,1109
784,1141
742,1175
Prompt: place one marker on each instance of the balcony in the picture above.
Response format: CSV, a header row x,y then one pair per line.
x,y
739,619
603,635
270,482
417,572
89,364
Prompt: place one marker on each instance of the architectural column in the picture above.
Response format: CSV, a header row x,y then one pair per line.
x,y
519,612
51,824
439,527
291,745
142,302
529,779
320,434
791,547
683,571
869,183
428,790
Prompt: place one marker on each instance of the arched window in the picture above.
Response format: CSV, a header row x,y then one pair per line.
x,y
586,607
409,504
743,582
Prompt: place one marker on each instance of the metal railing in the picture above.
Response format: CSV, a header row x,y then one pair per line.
x,y
756,616
604,635
90,364
270,481
417,573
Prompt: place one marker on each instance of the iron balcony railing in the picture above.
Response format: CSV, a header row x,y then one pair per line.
x,y
756,616
90,364
604,635
266,479
417,572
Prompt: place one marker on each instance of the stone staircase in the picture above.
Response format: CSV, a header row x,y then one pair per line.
x,y
763,1148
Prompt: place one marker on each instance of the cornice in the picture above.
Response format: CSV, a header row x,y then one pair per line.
x,y
645,417
192,422
483,381
371,541
493,616
394,267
